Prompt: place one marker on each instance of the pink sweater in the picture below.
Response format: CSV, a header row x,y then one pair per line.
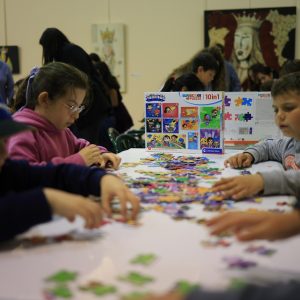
x,y
47,143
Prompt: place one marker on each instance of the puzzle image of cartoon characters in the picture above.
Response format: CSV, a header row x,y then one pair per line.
x,y
209,138
153,140
210,117
193,140
189,112
153,125
177,141
170,125
153,110
189,124
170,110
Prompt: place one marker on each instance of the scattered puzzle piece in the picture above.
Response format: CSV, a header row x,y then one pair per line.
x,y
144,259
60,291
184,287
136,278
62,276
99,288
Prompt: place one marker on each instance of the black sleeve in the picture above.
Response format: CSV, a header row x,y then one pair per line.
x,y
19,176
20,211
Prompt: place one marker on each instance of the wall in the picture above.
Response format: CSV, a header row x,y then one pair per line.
x,y
160,34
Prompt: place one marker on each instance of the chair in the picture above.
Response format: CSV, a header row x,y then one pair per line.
x,y
113,134
125,142
138,135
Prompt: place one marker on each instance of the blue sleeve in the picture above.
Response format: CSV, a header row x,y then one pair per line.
x,y
20,176
234,81
20,211
281,291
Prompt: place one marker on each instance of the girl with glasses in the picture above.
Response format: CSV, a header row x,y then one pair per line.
x,y
55,96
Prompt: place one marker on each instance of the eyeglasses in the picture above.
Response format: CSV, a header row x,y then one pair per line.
x,y
74,108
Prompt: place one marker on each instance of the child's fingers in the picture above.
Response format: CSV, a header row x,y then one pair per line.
x,y
253,232
223,185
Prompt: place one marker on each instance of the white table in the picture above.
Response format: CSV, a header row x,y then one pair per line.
x,y
177,245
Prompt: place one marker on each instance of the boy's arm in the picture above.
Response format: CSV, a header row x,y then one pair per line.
x,y
281,182
20,211
269,150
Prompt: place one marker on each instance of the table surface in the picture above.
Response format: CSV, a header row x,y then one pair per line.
x,y
104,254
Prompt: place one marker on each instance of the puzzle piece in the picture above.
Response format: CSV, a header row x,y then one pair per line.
x,y
62,276
239,263
248,117
247,102
99,288
60,291
227,116
136,278
144,259
184,287
135,296
238,102
227,101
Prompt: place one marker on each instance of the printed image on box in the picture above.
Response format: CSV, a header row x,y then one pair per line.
x,y
184,121
248,117
167,141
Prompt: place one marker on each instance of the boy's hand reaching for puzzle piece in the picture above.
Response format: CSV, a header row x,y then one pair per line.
x,y
257,225
241,160
239,187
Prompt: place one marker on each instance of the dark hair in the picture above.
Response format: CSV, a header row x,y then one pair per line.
x,y
189,81
52,40
290,66
289,83
206,61
95,57
54,78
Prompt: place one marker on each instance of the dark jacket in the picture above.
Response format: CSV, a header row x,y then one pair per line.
x,y
22,202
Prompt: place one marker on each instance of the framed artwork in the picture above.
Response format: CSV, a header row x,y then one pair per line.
x,y
10,55
250,36
108,43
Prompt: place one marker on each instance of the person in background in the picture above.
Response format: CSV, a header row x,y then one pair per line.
x,y
98,116
290,66
286,104
112,88
186,82
6,84
54,97
231,79
30,195
205,67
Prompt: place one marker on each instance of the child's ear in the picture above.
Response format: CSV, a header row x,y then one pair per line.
x,y
43,98
200,69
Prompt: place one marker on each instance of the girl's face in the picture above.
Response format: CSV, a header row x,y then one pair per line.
x,y
3,152
287,114
63,111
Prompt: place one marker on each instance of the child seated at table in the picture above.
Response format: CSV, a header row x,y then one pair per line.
x,y
54,96
30,195
286,104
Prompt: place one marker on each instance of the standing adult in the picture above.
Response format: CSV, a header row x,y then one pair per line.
x,y
98,117
6,84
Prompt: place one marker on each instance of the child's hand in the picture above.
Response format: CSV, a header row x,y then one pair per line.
x,y
240,186
109,160
259,225
91,154
111,186
69,205
241,160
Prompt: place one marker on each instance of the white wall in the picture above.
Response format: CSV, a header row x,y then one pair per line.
x,y
160,34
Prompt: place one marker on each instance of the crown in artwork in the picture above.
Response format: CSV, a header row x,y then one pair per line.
x,y
248,21
108,35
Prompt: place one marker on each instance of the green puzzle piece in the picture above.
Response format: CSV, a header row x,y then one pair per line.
x,y
135,296
136,278
184,287
144,259
61,291
63,276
